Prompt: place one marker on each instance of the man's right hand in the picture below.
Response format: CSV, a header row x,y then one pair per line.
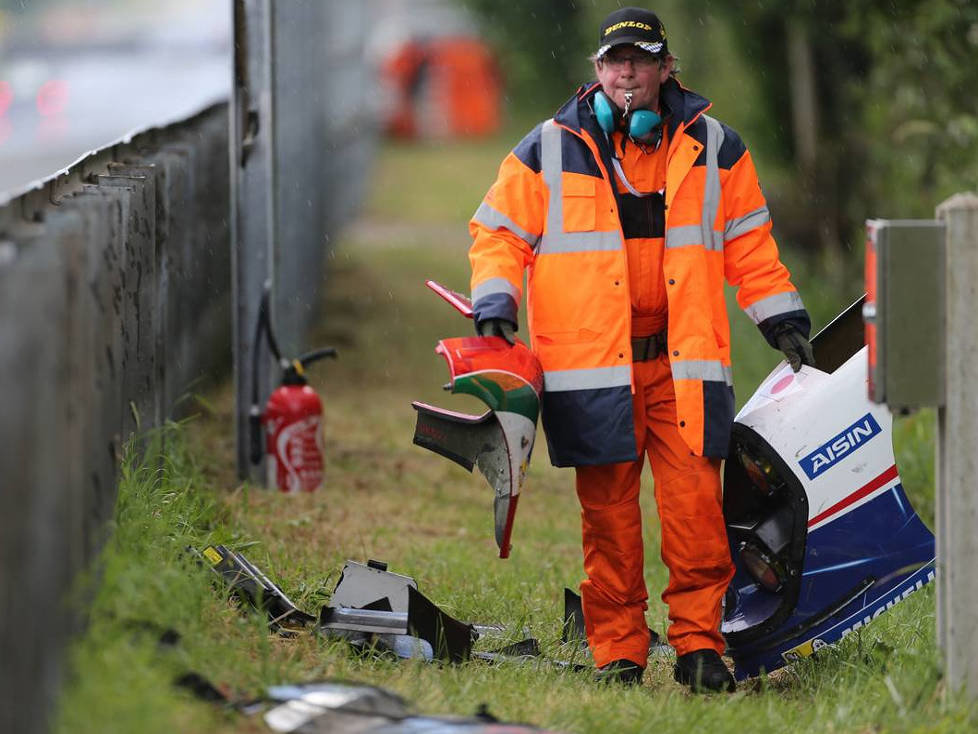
x,y
497,327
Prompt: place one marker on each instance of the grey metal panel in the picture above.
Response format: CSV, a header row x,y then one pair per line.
x,y
251,150
92,388
84,277
116,288
174,227
33,545
162,169
212,251
957,460
909,313
101,213
140,290
300,112
102,307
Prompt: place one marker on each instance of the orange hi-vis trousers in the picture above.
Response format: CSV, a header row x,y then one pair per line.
x,y
694,540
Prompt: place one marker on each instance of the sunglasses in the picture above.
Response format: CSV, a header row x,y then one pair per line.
x,y
638,60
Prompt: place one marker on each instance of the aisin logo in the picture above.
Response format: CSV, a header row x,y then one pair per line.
x,y
838,447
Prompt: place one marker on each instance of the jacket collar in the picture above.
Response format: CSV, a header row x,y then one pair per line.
x,y
683,106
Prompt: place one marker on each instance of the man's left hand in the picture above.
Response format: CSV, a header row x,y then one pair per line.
x,y
797,349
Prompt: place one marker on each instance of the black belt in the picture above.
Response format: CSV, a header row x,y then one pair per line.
x,y
645,348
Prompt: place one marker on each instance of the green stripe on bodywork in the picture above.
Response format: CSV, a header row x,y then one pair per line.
x,y
521,400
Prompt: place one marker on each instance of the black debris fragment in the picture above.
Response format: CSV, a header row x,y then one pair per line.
x,y
449,638
573,630
245,580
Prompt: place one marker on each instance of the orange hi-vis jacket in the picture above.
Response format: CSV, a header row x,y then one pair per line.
x,y
553,212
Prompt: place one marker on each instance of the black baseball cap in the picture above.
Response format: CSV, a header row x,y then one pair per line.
x,y
636,26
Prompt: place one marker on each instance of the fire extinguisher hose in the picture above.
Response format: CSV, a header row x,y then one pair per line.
x,y
264,328
317,354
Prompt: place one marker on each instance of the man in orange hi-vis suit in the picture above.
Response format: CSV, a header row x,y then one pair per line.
x,y
627,211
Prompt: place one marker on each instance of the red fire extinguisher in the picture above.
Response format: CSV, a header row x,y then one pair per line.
x,y
292,418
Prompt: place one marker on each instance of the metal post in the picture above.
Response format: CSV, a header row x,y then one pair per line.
x,y
956,455
253,200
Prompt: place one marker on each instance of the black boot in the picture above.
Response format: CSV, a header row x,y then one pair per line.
x,y
703,671
620,671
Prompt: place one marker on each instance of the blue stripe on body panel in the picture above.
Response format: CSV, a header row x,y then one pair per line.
x,y
882,539
859,613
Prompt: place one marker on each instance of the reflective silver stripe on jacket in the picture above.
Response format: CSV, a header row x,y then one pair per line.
x,y
704,234
692,234
591,378
495,285
775,305
554,239
490,217
702,369
743,225
712,239
579,242
551,163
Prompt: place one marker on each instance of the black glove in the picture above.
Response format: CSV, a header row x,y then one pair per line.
x,y
497,327
797,349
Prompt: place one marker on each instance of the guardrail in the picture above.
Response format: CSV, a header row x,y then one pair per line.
x,y
115,301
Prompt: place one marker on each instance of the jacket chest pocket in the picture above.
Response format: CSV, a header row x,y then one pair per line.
x,y
580,202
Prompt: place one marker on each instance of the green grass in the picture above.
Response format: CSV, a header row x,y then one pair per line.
x,y
387,499
121,675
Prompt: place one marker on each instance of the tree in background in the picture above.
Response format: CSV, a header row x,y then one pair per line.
x,y
542,45
923,114
875,98
867,106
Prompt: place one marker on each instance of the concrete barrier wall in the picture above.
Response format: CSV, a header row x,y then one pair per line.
x,y
114,305
121,293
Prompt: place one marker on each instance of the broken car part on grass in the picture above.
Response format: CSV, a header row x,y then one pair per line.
x,y
252,586
318,708
343,707
374,607
822,534
509,380
376,610
408,624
